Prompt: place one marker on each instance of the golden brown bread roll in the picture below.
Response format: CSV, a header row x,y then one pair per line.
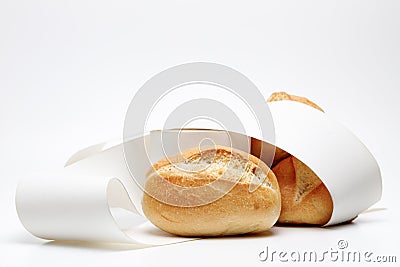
x,y
237,212
305,199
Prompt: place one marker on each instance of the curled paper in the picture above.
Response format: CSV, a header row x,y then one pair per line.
x,y
79,202
336,155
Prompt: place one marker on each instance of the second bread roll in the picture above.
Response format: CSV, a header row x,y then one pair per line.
x,y
305,199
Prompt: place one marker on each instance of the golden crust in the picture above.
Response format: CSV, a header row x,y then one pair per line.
x,y
305,199
279,96
237,212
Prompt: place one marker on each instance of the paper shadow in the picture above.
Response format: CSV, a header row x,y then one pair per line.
x,y
95,245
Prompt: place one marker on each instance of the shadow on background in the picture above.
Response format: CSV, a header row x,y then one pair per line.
x,y
95,245
124,247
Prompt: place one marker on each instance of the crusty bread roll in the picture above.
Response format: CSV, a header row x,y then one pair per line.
x,y
239,211
305,199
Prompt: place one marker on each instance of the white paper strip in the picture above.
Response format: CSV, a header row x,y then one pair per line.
x,y
77,202
80,202
336,155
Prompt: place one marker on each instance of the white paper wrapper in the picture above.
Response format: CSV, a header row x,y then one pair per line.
x,y
336,155
81,201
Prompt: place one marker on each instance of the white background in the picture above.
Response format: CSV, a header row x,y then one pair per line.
x,y
68,70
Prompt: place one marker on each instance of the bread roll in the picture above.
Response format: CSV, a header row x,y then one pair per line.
x,y
305,199
239,211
